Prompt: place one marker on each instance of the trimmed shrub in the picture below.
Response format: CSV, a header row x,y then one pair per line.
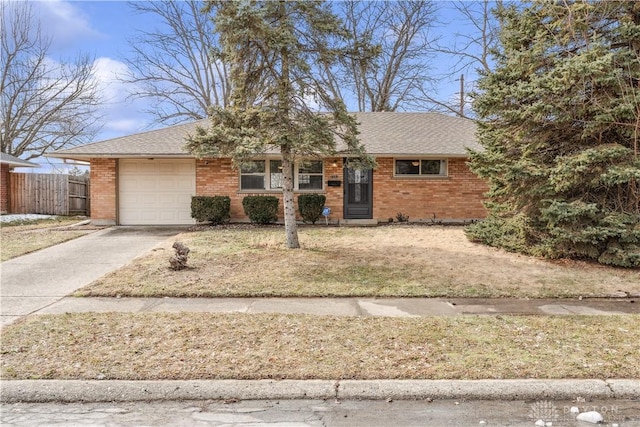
x,y
261,209
214,209
310,206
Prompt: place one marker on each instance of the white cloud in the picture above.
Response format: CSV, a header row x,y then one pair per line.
x,y
108,71
122,115
126,126
64,23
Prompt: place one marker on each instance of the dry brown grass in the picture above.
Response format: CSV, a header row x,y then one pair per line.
x,y
244,346
29,237
382,261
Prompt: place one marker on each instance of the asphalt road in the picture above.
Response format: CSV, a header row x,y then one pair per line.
x,y
293,413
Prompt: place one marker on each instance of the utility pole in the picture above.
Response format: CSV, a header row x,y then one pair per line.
x,y
461,95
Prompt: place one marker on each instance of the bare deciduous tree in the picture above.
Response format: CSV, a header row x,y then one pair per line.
x,y
396,74
45,105
174,66
471,50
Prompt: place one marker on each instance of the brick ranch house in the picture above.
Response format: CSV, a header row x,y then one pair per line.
x,y
148,178
7,164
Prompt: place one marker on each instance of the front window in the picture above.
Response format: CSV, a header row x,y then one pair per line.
x,y
310,175
267,175
252,175
276,176
420,167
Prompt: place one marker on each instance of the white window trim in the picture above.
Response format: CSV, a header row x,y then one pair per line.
x,y
265,174
267,177
444,161
296,179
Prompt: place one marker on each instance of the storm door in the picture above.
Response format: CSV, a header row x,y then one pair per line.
x,y
358,193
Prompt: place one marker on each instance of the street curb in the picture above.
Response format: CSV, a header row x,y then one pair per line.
x,y
37,391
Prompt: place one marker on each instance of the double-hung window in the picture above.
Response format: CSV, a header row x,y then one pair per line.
x,y
267,175
276,177
252,175
310,175
420,167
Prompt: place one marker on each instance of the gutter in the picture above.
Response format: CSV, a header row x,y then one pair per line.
x,y
87,157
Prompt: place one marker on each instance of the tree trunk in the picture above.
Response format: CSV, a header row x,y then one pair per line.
x,y
284,98
290,225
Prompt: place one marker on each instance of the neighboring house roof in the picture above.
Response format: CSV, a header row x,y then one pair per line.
x,y
14,162
383,133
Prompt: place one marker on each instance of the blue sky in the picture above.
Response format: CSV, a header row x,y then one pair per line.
x,y
101,29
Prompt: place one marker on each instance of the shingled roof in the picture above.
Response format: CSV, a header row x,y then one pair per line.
x,y
382,133
14,162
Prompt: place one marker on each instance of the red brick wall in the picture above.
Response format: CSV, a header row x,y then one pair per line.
x,y
216,177
104,175
458,196
334,194
4,188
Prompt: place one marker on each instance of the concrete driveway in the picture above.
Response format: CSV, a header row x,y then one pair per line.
x,y
34,281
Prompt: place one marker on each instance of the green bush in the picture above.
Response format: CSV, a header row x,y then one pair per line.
x,y
568,230
584,230
509,233
214,209
261,209
310,206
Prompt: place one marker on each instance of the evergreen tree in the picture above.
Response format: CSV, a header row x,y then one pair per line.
x,y
272,48
560,122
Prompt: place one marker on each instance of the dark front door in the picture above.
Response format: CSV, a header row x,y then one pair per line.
x,y
358,194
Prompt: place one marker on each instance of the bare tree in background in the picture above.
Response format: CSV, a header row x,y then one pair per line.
x,y
173,66
44,105
471,50
394,76
177,66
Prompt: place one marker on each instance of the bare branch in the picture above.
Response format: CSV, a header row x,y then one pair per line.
x,y
44,105
396,74
176,66
471,51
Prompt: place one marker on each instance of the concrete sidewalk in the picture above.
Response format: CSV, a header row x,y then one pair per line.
x,y
39,279
392,307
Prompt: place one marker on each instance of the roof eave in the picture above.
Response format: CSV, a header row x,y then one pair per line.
x,y
425,154
20,164
89,156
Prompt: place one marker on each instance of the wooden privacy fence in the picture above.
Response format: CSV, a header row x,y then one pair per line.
x,y
48,194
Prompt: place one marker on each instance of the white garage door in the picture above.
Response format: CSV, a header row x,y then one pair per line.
x,y
156,192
